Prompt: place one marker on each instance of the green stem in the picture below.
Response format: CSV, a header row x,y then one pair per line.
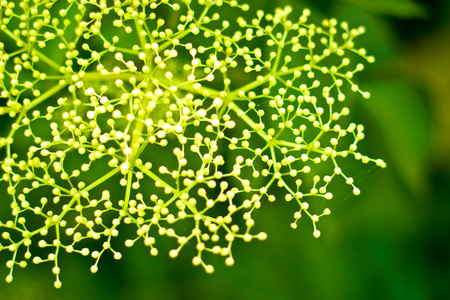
x,y
128,190
97,76
155,177
34,51
45,96
139,126
47,60
250,86
249,121
36,102
290,144
281,45
102,179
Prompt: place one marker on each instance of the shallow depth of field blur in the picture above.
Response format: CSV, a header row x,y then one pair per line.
x,y
391,242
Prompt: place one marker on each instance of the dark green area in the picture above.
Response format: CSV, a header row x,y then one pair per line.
x,y
391,242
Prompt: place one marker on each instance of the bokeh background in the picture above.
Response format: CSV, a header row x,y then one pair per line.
x,y
391,242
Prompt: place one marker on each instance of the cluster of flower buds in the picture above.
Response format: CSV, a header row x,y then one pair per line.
x,y
130,121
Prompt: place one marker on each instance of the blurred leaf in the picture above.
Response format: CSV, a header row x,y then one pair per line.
x,y
405,123
396,8
427,63
378,240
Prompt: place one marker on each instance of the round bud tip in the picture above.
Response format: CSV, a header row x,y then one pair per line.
x,y
380,163
173,253
316,233
209,269
58,284
94,269
196,261
154,252
262,236
229,261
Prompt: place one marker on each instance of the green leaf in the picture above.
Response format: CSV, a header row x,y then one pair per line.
x,y
405,123
397,8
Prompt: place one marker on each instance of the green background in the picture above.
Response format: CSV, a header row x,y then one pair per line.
x,y
391,242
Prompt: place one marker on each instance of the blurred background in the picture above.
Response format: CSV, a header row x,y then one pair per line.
x,y
391,242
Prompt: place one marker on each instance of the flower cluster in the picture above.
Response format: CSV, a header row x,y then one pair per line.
x,y
165,117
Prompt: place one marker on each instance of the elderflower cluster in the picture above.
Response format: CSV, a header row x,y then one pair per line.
x,y
198,118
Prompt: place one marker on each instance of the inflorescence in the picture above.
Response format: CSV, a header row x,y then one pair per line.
x,y
198,119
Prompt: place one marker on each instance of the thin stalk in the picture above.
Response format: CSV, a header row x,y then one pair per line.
x,y
36,102
102,179
128,190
